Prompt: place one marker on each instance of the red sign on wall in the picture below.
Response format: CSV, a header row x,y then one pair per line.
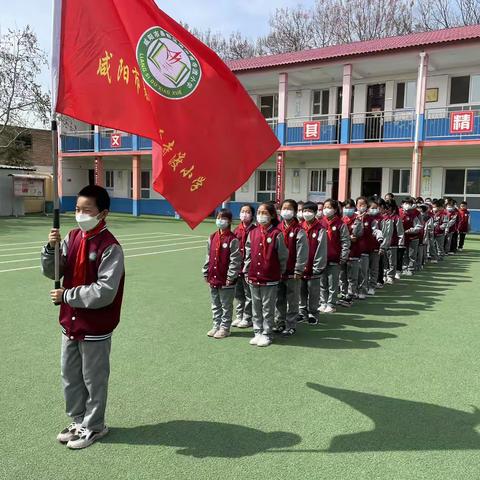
x,y
311,130
115,140
462,122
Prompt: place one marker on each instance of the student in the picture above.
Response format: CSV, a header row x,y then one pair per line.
x,y
221,270
463,224
265,262
422,236
316,264
369,241
350,271
288,297
377,267
300,211
338,250
242,289
389,197
92,267
319,214
450,236
440,226
412,227
396,238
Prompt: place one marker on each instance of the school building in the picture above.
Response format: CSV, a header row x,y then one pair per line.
x,y
399,115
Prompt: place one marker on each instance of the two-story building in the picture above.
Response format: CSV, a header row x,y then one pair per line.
x,y
399,115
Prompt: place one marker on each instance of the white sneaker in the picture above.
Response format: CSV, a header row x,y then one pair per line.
x,y
330,309
408,273
398,276
68,433
434,261
236,322
85,437
244,324
389,281
255,339
362,296
371,291
322,308
264,341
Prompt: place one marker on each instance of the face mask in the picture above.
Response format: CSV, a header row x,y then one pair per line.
x,y
362,209
435,209
300,215
222,224
319,214
245,217
450,209
308,216
86,222
263,219
287,214
329,212
374,211
349,212
406,206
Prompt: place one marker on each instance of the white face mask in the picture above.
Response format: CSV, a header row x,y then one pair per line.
x,y
435,209
349,212
263,219
300,215
308,216
362,209
320,214
374,211
245,217
329,212
450,209
406,206
86,222
287,214
222,224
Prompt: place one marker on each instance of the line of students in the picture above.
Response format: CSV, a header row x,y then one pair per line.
x,y
304,259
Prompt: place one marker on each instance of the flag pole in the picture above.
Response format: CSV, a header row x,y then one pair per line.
x,y
56,200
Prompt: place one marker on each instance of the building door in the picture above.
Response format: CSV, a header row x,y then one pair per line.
x,y
339,109
91,177
335,182
375,109
371,182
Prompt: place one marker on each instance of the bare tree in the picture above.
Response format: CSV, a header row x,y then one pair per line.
x,y
22,98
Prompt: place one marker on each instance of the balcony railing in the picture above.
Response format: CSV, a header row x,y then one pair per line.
x,y
78,141
273,123
106,141
438,123
323,129
385,126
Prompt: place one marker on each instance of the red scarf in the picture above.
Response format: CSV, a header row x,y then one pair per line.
x,y
80,269
309,226
221,233
286,229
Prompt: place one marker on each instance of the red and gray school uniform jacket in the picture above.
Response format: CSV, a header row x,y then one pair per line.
x,y
411,224
317,249
440,223
296,242
355,229
241,232
89,312
463,221
396,232
266,256
224,259
372,235
452,221
338,239
428,227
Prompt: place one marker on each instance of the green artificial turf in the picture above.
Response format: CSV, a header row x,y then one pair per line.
x,y
388,389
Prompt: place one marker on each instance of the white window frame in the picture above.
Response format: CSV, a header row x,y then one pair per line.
x,y
109,179
275,105
144,190
273,192
401,170
406,97
470,93
464,194
320,104
322,180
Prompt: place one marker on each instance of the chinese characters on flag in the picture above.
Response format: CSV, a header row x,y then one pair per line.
x,y
311,131
461,122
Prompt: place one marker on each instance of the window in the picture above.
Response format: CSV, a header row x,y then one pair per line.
x,y
406,95
459,90
109,179
269,106
454,182
475,89
473,182
318,181
321,99
145,184
401,181
463,184
266,185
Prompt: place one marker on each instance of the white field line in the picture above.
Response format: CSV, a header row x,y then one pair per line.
x,y
162,238
140,235
126,250
126,256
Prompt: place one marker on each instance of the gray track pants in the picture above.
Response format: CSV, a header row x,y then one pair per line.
x,y
222,307
374,260
349,275
391,259
364,273
412,251
440,246
263,308
310,298
329,285
85,368
244,300
288,303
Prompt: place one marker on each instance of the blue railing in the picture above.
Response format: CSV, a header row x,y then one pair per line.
x,y
78,142
318,130
440,121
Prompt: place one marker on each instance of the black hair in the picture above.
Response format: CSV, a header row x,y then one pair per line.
x,y
293,203
350,203
270,207
373,200
335,205
311,206
463,203
251,207
392,205
419,200
361,198
423,208
439,203
301,202
225,213
101,196
390,194
381,203
408,200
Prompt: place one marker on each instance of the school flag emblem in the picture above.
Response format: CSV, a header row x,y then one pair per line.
x,y
126,65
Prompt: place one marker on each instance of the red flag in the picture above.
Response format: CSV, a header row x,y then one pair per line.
x,y
125,64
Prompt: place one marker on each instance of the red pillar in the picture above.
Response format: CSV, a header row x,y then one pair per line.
x,y
343,175
136,184
280,184
99,172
